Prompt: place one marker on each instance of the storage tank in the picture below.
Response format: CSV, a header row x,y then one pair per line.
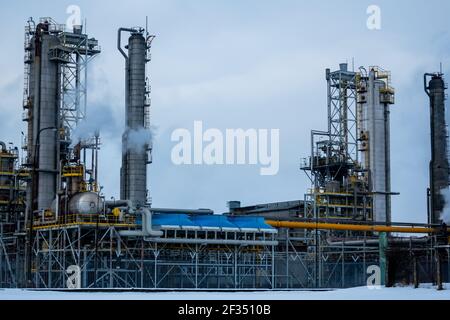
x,y
86,203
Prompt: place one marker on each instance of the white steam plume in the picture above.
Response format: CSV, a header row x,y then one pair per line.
x,y
102,122
138,139
445,215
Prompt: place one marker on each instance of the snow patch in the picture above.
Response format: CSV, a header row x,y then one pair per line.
x,y
425,292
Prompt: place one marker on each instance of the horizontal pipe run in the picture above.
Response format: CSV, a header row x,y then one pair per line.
x,y
118,203
348,227
213,241
182,211
376,242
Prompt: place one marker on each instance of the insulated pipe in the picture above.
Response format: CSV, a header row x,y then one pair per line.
x,y
348,227
147,227
118,203
375,241
3,145
425,85
353,242
214,241
119,40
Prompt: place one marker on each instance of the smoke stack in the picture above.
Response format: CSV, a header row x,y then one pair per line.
x,y
439,165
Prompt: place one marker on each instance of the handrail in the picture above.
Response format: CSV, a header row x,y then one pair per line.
x,y
86,219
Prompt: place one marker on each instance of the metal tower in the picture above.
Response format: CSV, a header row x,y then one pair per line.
x,y
136,147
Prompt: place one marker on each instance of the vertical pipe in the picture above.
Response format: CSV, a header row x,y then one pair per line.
x,y
96,160
287,258
416,275
387,161
273,267
384,262
438,270
156,254
329,102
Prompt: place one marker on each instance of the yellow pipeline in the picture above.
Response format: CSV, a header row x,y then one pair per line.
x,y
347,227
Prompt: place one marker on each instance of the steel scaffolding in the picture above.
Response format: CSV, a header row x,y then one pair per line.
x,y
109,260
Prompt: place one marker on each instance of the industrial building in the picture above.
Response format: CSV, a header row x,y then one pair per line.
x,y
57,230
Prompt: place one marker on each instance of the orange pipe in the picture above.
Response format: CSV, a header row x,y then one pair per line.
x,y
347,227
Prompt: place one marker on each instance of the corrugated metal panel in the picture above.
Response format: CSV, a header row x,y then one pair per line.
x,y
219,222
250,223
181,220
213,221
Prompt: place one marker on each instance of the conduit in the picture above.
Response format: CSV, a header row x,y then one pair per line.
x,y
147,227
348,227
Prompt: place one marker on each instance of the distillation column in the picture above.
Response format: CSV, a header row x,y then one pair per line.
x,y
439,165
133,184
43,143
375,134
52,90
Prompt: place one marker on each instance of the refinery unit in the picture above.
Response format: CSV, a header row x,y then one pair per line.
x,y
57,230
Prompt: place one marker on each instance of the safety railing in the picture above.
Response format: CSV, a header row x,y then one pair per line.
x,y
73,171
48,220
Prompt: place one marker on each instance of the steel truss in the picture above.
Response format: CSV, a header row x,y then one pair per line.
x,y
108,260
74,52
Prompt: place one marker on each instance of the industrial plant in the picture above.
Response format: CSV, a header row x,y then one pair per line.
x,y
57,229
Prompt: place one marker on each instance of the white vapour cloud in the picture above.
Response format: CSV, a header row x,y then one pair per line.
x,y
139,139
445,215
103,123
85,130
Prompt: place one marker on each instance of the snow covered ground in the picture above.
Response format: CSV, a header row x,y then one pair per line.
x,y
425,292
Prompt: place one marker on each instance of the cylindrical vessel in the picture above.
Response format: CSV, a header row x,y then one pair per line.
x,y
85,203
49,118
135,155
44,94
439,174
377,155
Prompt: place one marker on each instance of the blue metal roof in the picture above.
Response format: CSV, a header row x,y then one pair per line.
x,y
172,219
213,221
210,221
250,222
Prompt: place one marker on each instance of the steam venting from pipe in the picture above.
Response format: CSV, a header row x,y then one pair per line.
x,y
85,130
106,125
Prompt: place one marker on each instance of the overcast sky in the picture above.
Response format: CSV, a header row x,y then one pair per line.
x,y
247,64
